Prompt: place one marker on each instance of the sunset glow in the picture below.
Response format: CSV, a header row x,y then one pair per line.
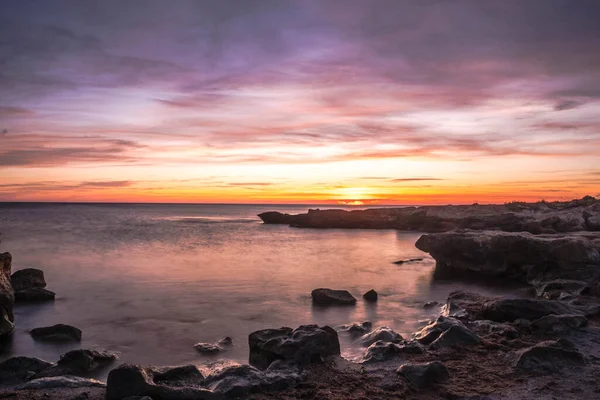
x,y
386,102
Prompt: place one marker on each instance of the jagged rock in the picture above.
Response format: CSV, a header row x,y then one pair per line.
x,y
431,304
27,278
371,295
7,297
382,333
64,381
19,369
499,328
328,297
507,310
303,345
423,375
133,380
182,375
381,350
81,361
58,332
34,295
545,289
559,323
549,356
451,309
456,335
515,255
226,341
433,330
241,380
355,329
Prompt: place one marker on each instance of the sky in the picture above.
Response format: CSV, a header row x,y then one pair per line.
x,y
329,101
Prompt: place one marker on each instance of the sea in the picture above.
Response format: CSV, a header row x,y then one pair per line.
x,y
148,281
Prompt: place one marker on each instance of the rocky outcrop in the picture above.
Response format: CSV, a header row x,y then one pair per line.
x,y
7,297
303,345
548,357
423,375
133,380
57,333
522,256
382,333
20,369
27,278
331,297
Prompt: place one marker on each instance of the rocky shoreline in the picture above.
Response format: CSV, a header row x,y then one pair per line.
x,y
545,345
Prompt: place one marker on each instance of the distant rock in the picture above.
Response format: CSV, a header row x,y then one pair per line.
x,y
329,297
57,333
355,329
27,278
559,323
241,380
226,341
371,295
7,297
423,375
19,369
508,310
303,345
382,333
549,357
208,348
34,295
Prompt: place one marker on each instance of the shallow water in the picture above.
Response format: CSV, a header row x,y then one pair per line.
x,y
149,281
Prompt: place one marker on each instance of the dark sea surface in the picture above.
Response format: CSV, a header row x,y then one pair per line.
x,y
150,281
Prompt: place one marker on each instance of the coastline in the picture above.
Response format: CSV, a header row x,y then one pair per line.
x,y
553,247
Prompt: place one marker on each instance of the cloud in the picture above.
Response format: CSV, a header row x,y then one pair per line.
x,y
415,179
567,105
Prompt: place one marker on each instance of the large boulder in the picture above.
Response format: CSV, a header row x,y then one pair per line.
x,y
548,357
457,335
20,369
523,256
7,297
34,295
423,375
329,297
303,345
57,333
242,380
27,278
382,333
129,380
508,310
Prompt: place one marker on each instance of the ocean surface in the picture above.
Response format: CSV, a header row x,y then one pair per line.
x,y
150,281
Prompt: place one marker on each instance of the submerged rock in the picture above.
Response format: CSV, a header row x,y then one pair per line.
x,y
303,345
27,278
423,375
328,297
34,295
58,332
371,295
241,380
382,333
7,297
549,356
508,310
559,323
355,329
19,369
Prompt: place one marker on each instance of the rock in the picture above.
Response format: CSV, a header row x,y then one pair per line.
x,y
456,335
382,351
451,309
371,295
226,341
84,360
328,297
19,369
355,329
7,297
27,278
430,305
572,287
208,348
512,309
423,375
548,357
498,328
59,332
64,381
241,380
34,295
303,345
520,255
133,380
178,376
382,333
433,330
559,323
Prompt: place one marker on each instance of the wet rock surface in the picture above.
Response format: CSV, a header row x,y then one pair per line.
x,y
512,309
558,323
7,298
549,356
34,295
57,333
19,369
423,375
455,335
382,333
355,329
332,297
27,278
382,350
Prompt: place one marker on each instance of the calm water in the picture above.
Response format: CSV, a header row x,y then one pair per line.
x,y
149,281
